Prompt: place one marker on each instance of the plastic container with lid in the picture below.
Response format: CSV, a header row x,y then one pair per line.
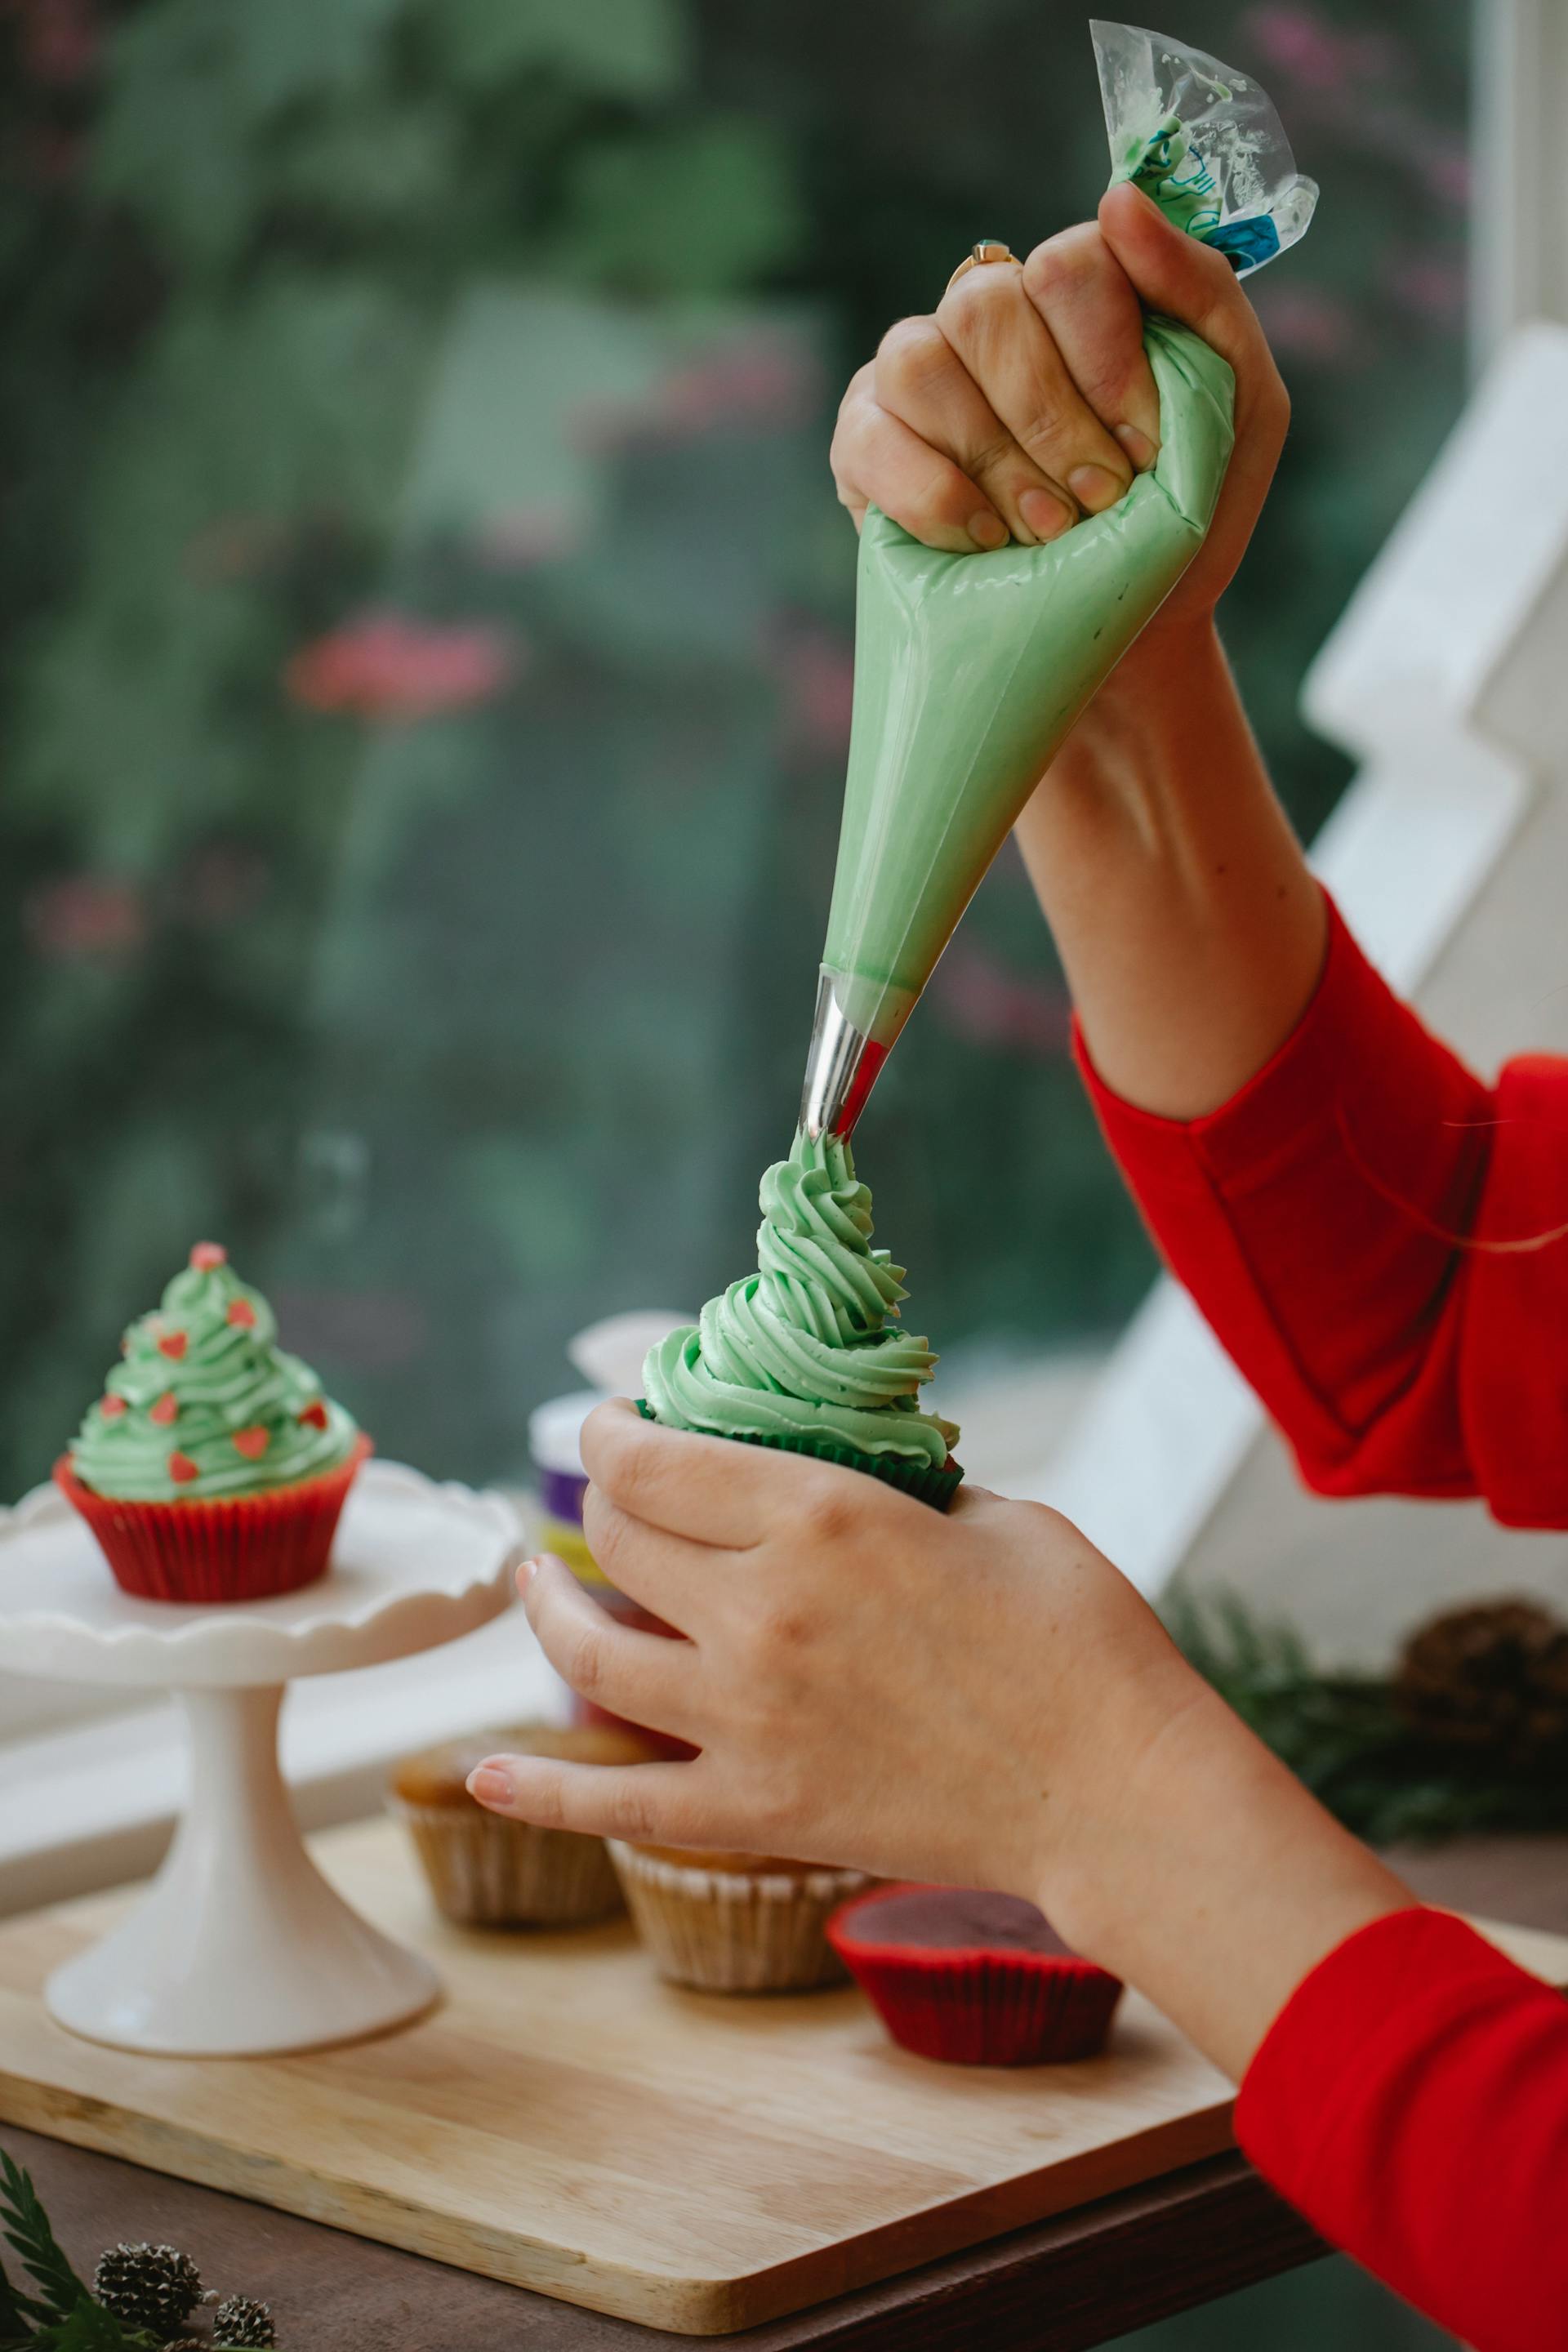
x,y
609,1354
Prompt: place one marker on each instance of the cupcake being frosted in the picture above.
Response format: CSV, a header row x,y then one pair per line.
x,y
806,1354
214,1466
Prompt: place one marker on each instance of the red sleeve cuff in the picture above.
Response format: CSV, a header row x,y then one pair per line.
x,y
1411,2099
1389,1984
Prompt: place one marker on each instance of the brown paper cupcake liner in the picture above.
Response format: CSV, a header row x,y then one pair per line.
x,y
735,1931
486,1870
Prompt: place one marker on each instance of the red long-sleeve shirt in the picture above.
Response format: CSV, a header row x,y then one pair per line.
x,y
1412,2097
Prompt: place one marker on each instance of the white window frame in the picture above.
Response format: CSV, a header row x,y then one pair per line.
x,y
1446,678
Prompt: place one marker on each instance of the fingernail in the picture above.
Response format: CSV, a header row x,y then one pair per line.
x,y
1048,517
1138,445
490,1784
1095,488
988,530
525,1574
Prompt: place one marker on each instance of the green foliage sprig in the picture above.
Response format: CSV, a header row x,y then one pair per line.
x,y
64,2315
1343,1736
27,2318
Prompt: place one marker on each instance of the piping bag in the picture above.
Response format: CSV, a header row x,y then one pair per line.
x,y
970,670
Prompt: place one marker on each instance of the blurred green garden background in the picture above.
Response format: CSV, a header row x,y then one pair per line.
x,y
428,635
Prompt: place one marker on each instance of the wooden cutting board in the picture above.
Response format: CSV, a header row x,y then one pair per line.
x,y
567,2122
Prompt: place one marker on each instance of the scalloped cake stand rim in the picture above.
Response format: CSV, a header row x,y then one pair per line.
x,y
380,1599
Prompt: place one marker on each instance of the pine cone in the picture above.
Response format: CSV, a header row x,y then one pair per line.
x,y
154,2287
1491,1680
242,2321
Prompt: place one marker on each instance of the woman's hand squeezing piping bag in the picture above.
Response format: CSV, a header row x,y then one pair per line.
x,y
977,1698
1190,929
1025,399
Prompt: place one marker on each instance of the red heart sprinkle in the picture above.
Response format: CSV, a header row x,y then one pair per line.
x,y
182,1469
166,1410
172,1344
242,1312
315,1414
252,1443
206,1255
111,1407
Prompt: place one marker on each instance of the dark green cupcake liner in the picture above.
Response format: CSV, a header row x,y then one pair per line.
x,y
927,1484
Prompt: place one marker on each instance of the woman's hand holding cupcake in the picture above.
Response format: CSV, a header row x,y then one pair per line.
x,y
973,1698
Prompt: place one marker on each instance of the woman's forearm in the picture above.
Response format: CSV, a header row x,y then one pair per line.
x,y
1190,929
1216,1883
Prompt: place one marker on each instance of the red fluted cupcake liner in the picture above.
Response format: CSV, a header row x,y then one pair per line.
x,y
223,1547
975,2008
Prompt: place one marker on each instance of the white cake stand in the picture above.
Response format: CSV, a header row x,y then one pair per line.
x,y
240,1945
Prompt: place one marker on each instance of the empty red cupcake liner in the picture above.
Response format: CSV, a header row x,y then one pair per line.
x,y
979,2007
223,1547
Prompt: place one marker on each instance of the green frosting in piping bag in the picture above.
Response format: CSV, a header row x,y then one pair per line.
x,y
971,669
205,1403
807,1347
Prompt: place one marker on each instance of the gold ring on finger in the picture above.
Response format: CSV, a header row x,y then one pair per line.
x,y
989,249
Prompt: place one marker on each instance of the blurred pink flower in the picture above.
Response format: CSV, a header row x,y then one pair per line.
x,y
1356,85
236,547
816,670
86,915
58,39
1432,285
221,883
516,542
1304,322
384,666
978,998
759,380
50,156
1298,41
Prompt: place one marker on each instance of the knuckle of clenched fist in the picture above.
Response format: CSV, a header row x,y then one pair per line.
x,y
981,296
1059,263
635,1821
584,1664
546,1807
831,1514
912,351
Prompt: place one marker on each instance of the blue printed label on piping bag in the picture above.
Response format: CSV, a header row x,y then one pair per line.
x,y
1204,141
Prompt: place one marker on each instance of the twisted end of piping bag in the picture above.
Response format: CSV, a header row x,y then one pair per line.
x,y
970,671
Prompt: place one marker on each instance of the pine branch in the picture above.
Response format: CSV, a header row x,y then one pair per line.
x,y
1345,1737
27,2231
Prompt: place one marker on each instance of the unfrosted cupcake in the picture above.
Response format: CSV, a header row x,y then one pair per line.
x,y
980,1980
213,1467
806,1355
487,1871
735,1922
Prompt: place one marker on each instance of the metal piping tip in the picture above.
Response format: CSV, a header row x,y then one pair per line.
x,y
841,1068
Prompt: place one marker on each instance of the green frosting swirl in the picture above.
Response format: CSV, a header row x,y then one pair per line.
x,y
803,1348
206,1403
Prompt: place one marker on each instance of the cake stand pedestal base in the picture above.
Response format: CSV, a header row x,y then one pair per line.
x,y
240,1947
